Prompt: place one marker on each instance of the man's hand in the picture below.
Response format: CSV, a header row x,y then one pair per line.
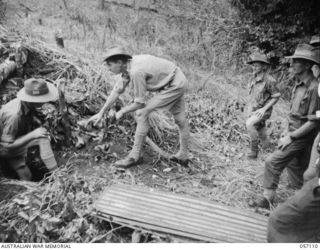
x,y
96,119
119,115
40,133
284,142
260,113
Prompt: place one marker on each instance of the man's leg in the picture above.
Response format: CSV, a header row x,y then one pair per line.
x,y
297,167
298,219
274,167
254,135
17,156
46,153
264,137
24,173
16,160
314,167
172,99
18,163
134,157
184,134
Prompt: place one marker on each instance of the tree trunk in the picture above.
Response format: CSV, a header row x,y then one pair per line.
x,y
101,4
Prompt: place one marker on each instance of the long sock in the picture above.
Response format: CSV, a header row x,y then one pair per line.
x,y
140,136
184,142
46,154
269,194
137,146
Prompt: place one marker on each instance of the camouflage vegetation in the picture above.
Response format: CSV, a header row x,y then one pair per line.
x,y
210,40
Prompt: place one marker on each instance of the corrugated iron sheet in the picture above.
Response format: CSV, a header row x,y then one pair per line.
x,y
179,215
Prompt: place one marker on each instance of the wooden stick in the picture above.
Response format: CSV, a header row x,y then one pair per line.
x,y
59,40
64,111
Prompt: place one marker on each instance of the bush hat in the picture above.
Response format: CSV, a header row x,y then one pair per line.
x,y
258,57
38,91
117,51
307,52
315,41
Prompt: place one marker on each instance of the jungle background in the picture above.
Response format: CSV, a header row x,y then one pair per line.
x,y
211,41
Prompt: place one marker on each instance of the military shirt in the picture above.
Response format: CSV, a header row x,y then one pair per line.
x,y
147,73
15,121
262,89
304,102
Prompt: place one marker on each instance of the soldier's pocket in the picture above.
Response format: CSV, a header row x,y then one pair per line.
x,y
304,106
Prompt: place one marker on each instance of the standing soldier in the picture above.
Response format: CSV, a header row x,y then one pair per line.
x,y
298,219
147,73
263,95
313,168
296,142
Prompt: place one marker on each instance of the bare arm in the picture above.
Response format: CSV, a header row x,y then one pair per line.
x,y
260,112
25,139
272,102
118,89
111,100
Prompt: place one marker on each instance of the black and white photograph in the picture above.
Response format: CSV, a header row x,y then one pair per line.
x,y
159,121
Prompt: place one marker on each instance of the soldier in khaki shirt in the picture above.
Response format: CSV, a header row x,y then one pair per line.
x,y
263,95
147,73
295,144
314,165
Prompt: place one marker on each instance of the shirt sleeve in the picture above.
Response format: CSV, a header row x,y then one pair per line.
x,y
139,87
9,130
314,102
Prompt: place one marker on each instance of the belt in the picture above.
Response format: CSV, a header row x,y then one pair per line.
x,y
168,80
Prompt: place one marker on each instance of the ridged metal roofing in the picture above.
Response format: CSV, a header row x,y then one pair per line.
x,y
146,208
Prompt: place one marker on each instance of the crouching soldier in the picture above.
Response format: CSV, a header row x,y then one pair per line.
x,y
263,95
295,144
147,73
16,127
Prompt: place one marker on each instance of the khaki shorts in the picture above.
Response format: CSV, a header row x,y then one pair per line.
x,y
171,97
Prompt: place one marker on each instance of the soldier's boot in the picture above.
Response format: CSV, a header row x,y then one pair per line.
x,y
267,200
182,157
134,157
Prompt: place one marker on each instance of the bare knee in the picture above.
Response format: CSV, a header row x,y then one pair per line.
x,y
24,173
180,121
250,123
142,114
